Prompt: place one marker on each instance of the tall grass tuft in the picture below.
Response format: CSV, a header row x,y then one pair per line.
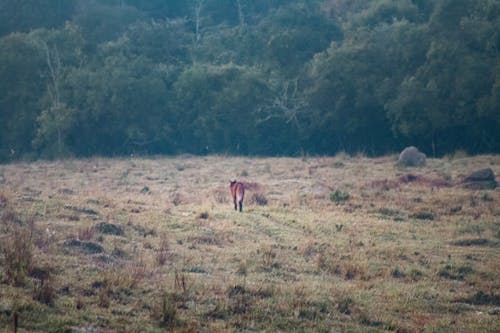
x,y
17,251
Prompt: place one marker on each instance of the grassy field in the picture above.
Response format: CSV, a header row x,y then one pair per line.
x,y
336,244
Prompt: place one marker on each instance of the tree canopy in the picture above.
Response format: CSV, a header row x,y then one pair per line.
x,y
252,77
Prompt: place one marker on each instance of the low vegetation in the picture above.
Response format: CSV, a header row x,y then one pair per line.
x,y
324,244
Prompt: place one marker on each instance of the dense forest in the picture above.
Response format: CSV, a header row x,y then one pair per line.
x,y
248,77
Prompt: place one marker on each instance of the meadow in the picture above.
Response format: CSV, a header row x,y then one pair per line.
x,y
324,244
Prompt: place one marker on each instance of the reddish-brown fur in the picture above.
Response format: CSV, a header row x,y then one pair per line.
x,y
238,193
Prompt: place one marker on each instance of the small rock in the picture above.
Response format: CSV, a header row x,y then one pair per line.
x,y
482,179
494,312
480,175
411,157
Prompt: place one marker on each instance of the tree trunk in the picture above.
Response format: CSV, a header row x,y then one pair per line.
x,y
240,13
59,141
197,17
433,144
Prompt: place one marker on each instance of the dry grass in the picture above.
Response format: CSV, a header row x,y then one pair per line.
x,y
324,244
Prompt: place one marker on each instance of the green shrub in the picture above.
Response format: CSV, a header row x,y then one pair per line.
x,y
339,196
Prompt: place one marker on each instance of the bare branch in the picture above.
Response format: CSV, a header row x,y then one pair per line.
x,y
54,64
241,17
287,104
197,16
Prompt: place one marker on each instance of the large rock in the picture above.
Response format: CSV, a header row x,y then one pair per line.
x,y
411,157
480,180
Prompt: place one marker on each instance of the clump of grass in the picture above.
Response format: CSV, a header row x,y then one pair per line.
x,y
165,310
393,214
45,240
259,198
84,247
415,274
17,251
424,215
240,300
8,216
339,197
163,252
169,310
472,228
119,282
388,212
110,229
327,263
486,197
17,243
208,237
352,270
397,273
79,302
119,252
344,305
4,199
482,298
242,268
203,215
338,164
145,232
44,291
472,242
268,259
457,154
455,272
346,268
221,195
80,210
178,199
86,233
103,297
181,282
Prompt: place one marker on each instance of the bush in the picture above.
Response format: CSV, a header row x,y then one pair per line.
x,y
339,196
259,199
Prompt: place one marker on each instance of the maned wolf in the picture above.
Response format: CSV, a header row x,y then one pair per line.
x,y
238,193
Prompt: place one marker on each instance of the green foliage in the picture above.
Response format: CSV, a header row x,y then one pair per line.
x,y
25,15
248,77
22,85
53,126
339,196
232,93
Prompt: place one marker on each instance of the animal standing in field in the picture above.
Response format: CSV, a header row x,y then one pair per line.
x,y
238,193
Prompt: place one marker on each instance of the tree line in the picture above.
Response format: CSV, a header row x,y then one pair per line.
x,y
250,77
